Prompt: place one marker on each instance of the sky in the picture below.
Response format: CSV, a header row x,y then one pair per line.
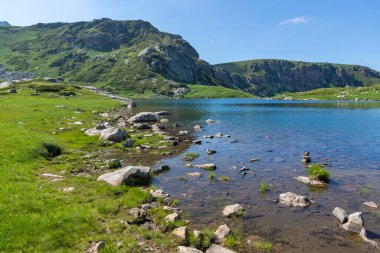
x,y
337,31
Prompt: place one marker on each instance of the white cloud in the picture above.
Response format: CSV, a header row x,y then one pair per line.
x,y
293,21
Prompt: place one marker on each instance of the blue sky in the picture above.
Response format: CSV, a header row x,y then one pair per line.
x,y
339,31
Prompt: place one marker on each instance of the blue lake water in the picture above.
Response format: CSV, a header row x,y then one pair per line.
x,y
344,135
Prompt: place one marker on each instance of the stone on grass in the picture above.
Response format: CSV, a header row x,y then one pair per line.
x,y
340,214
221,233
68,189
183,249
293,200
231,210
214,248
181,233
355,223
138,215
95,247
172,217
113,134
143,117
130,175
93,132
129,143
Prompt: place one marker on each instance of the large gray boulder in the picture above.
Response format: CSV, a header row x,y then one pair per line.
x,y
130,175
340,214
355,223
143,117
293,200
113,134
214,248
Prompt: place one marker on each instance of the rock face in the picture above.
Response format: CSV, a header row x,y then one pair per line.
x,y
231,210
130,175
340,214
143,117
293,200
221,233
113,134
355,223
214,248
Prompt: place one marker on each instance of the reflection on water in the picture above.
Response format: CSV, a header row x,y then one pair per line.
x,y
345,135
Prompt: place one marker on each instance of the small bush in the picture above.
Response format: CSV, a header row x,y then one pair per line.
x,y
52,150
317,172
263,187
265,246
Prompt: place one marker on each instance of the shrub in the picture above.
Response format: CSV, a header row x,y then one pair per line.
x,y
316,171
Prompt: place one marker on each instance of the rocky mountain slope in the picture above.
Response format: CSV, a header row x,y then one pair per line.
x,y
4,23
135,57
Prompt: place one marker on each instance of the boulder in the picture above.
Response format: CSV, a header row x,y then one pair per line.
x,y
130,175
231,210
221,233
211,151
143,117
172,217
214,248
182,233
340,214
113,134
207,166
128,143
141,126
138,215
183,249
95,247
370,204
355,223
161,169
293,200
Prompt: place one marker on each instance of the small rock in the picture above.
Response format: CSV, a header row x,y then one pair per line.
x,y
254,160
183,132
197,128
172,217
244,169
218,249
355,223
141,126
198,142
113,164
183,249
176,125
231,210
158,127
219,135
68,189
306,157
211,151
104,115
194,174
93,132
182,233
103,125
159,194
161,169
221,233
210,121
370,204
119,245
162,113
60,106
138,215
129,143
293,200
198,236
207,166
163,121
340,214
95,247
303,179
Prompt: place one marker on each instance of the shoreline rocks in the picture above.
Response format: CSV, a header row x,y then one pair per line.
x,y
130,175
306,158
293,200
221,233
143,117
214,248
355,223
231,210
340,214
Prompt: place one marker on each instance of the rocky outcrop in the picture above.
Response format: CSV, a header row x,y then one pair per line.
x,y
10,76
130,175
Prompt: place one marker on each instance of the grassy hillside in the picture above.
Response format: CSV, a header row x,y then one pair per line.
x,y
203,91
346,93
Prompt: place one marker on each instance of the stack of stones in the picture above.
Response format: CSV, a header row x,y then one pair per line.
x,y
306,157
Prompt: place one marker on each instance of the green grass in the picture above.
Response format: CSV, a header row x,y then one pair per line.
x,y
366,189
265,246
263,187
203,91
224,178
346,93
211,175
191,156
36,215
318,172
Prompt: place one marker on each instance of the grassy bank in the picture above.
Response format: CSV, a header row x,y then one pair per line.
x,y
36,215
346,93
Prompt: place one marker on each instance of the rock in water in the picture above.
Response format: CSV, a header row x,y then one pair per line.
x,y
291,199
211,151
113,134
231,210
340,214
221,233
130,175
208,166
363,235
306,157
210,121
218,249
183,249
355,223
370,204
143,117
162,113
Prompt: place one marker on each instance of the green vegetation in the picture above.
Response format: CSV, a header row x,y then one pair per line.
x,y
318,172
265,246
203,91
377,214
191,156
232,241
224,178
37,215
366,189
211,175
263,187
346,93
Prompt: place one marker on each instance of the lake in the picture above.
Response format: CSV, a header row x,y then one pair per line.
x,y
344,135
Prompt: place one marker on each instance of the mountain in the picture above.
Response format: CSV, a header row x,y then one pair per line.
x,y
135,57
4,23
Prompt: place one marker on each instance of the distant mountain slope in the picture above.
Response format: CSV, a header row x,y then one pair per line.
x,y
135,57
4,23
276,76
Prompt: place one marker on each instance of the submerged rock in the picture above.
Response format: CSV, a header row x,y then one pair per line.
x,y
197,128
221,233
340,214
363,235
211,151
162,113
130,175
231,210
303,179
355,223
210,121
312,182
293,200
370,204
197,142
161,169
214,248
207,166
143,117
